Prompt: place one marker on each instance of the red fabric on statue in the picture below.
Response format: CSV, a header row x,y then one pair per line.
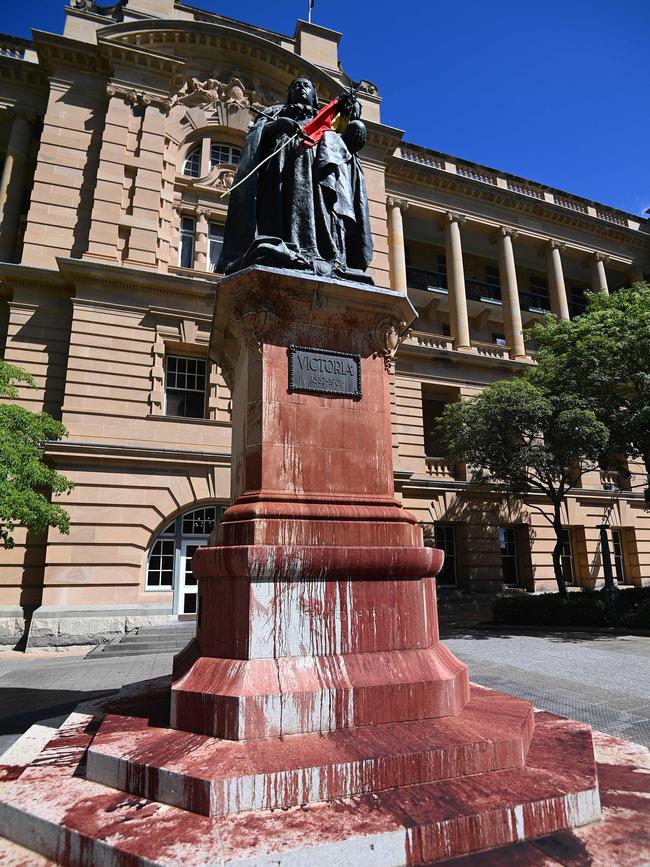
x,y
321,123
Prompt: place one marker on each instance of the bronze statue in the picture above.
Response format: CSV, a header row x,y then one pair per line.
x,y
304,204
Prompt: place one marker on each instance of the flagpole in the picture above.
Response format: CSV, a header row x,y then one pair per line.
x,y
309,5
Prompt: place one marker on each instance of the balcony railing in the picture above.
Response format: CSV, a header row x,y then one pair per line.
x,y
478,291
577,308
490,350
442,468
430,341
416,278
534,301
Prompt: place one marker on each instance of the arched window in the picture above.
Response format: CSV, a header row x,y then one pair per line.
x,y
223,153
192,164
170,560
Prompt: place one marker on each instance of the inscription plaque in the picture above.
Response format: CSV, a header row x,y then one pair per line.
x,y
321,371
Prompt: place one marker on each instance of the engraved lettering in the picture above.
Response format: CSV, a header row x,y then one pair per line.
x,y
324,372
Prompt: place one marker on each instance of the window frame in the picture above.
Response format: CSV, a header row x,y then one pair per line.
x,y
444,537
212,263
233,151
514,555
193,158
184,389
187,234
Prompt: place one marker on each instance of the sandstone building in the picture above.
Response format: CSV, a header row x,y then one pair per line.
x,y
119,139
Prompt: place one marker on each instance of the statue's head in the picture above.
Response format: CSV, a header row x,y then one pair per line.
x,y
301,90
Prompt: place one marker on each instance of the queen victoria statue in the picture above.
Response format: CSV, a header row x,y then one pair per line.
x,y
299,197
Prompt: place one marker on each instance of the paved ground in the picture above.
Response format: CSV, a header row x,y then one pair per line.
x,y
601,680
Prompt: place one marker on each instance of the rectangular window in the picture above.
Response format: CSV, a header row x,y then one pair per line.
x,y
160,571
619,557
442,264
566,557
538,284
446,329
215,246
432,410
185,386
445,539
492,276
508,545
186,245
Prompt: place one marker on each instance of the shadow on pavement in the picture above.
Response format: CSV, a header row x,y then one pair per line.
x,y
21,708
548,633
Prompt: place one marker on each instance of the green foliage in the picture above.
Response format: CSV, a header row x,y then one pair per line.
x,y
521,438
526,440
604,357
583,608
26,482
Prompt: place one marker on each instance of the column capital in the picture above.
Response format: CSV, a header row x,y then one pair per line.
x,y
506,232
551,244
600,257
394,202
453,217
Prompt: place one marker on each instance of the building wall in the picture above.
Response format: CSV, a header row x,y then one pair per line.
x,y
93,300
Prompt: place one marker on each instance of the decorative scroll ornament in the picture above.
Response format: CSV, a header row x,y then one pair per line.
x,y
139,97
252,320
227,371
386,338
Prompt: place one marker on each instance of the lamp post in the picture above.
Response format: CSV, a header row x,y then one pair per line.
x,y
610,590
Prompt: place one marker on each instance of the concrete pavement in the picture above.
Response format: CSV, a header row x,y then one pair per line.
x,y
601,680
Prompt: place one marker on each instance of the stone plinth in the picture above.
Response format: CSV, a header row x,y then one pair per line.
x,y
316,718
332,619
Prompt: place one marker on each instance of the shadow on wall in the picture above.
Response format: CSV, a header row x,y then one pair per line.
x,y
77,96
476,522
48,328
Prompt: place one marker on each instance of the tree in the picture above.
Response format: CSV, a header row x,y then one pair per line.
x,y
522,440
604,357
26,482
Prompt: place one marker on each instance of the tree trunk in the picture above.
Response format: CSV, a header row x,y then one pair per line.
x,y
557,552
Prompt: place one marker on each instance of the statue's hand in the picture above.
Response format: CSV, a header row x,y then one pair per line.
x,y
355,136
284,126
349,106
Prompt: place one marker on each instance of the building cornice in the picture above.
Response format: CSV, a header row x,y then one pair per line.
x,y
152,35
54,51
69,451
399,169
90,272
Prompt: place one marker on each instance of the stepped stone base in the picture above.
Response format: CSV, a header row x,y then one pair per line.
x,y
217,777
51,806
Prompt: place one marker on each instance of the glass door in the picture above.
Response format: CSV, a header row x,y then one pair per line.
x,y
187,596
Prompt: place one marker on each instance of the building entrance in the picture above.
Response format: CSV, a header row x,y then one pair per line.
x,y
170,560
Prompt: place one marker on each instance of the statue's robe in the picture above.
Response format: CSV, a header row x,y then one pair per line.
x,y
307,207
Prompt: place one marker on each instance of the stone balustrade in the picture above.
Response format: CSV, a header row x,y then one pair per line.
x,y
522,186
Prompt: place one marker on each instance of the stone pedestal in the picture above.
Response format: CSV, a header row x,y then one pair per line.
x,y
332,618
316,718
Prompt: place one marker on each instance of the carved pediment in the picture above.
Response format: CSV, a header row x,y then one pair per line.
x,y
219,179
222,96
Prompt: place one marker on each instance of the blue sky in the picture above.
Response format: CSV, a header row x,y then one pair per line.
x,y
556,91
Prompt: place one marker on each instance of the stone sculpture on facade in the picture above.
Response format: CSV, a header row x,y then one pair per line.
x,y
299,204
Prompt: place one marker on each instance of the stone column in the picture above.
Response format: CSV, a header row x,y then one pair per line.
x,y
12,184
201,241
557,289
456,281
396,250
510,293
598,275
